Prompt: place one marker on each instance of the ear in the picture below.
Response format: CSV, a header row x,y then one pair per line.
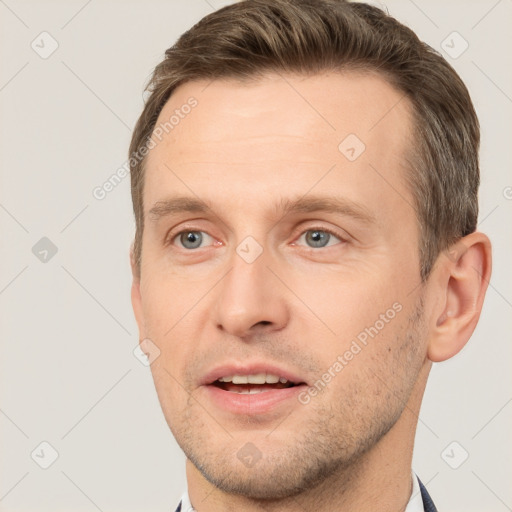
x,y
136,295
461,277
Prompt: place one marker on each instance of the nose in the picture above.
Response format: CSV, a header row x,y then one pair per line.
x,y
250,299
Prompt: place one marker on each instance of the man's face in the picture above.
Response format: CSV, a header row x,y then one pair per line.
x,y
270,278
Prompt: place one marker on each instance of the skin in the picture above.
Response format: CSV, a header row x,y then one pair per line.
x,y
245,149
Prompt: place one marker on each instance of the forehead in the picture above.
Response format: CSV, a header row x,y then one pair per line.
x,y
328,105
281,129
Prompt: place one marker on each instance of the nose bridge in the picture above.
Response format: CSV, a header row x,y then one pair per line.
x,y
248,295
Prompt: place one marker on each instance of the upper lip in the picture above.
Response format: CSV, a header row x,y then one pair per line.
x,y
229,369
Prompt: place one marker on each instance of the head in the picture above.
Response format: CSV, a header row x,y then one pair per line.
x,y
313,207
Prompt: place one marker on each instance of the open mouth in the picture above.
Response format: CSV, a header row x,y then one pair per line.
x,y
251,389
268,391
252,384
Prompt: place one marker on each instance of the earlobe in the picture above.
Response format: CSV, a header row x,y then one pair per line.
x,y
462,277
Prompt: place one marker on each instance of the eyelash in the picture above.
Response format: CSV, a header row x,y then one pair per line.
x,y
172,237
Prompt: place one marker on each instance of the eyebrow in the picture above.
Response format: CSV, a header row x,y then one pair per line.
x,y
304,204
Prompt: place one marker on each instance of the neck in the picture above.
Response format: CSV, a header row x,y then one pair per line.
x,y
379,480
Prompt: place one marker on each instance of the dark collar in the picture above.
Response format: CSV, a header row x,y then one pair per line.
x,y
428,504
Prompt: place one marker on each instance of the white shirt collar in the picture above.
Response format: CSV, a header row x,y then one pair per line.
x,y
415,501
185,503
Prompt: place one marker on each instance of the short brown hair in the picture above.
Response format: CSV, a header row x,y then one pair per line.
x,y
254,37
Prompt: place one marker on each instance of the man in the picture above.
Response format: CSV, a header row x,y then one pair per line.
x,y
304,181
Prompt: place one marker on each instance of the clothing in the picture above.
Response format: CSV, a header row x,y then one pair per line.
x,y
420,500
428,504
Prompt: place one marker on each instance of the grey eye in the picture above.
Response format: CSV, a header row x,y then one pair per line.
x,y
317,238
191,239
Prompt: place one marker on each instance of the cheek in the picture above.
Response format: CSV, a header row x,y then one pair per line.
x,y
168,319
170,326
165,300
348,302
377,368
361,325
172,398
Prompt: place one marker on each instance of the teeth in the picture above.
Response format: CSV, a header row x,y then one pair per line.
x,y
259,378
251,391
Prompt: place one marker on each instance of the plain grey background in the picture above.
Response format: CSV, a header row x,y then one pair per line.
x,y
68,374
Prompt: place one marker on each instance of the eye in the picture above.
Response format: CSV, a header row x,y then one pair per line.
x,y
319,238
316,238
192,239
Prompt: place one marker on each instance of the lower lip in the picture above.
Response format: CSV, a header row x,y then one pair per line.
x,y
257,403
